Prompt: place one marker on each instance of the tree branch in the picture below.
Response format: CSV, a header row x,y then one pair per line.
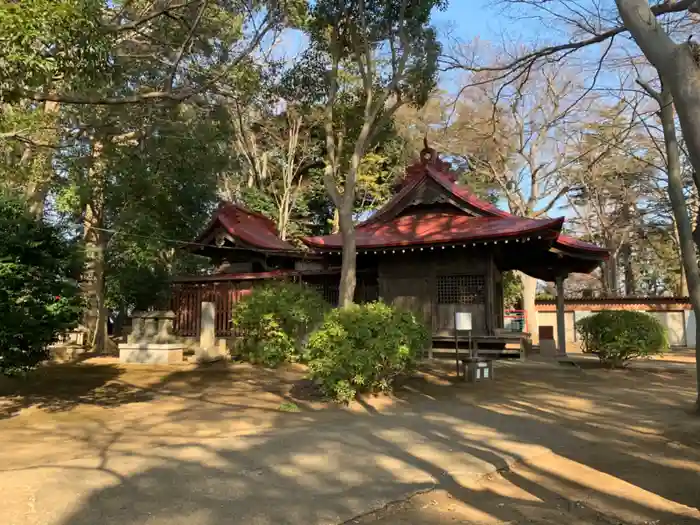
x,y
185,43
330,170
154,96
563,191
527,60
135,24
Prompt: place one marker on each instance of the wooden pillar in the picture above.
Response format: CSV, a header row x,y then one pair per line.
x,y
490,299
561,319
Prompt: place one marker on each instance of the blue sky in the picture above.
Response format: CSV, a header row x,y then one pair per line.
x,y
470,19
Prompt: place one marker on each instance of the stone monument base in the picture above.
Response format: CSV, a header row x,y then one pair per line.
x,y
548,348
214,353
151,353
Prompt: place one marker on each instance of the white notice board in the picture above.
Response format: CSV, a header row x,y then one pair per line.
x,y
463,321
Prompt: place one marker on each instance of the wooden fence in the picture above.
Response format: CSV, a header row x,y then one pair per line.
x,y
187,300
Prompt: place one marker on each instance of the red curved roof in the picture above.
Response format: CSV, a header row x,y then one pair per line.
x,y
250,227
384,229
436,228
438,171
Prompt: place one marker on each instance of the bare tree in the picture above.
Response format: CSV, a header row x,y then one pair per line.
x,y
656,31
518,139
612,175
664,98
275,152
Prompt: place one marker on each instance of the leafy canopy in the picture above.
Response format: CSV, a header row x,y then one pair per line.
x,y
44,42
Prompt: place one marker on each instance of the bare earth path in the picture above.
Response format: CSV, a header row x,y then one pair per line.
x,y
102,444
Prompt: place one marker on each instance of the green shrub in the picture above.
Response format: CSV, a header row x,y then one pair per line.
x,y
274,319
616,336
363,349
38,297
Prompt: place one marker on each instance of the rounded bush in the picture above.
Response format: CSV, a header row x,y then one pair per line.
x,y
616,336
274,319
364,348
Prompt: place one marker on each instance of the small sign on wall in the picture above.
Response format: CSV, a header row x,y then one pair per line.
x,y
463,321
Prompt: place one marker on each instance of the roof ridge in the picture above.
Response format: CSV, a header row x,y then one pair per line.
x,y
465,193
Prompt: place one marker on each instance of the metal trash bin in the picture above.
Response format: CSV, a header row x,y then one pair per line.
x,y
477,369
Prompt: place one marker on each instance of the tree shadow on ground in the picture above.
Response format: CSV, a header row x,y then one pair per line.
x,y
629,435
327,474
65,386
62,387
626,426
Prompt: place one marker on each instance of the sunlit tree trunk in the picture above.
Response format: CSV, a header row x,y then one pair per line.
x,y
95,239
628,267
529,296
348,276
682,290
677,64
37,159
680,214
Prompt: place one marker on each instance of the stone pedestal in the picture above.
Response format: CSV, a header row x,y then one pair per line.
x,y
151,340
548,346
151,353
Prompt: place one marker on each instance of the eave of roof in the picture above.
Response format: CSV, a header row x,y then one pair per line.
x,y
441,228
568,243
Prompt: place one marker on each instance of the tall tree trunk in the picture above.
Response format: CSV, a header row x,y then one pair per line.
x,y
348,271
529,295
627,264
612,278
95,238
335,225
283,216
610,281
682,290
41,171
681,216
93,284
677,65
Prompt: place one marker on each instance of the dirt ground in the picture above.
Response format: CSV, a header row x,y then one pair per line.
x,y
524,494
551,489
632,455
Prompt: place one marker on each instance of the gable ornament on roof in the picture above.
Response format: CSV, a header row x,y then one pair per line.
x,y
428,154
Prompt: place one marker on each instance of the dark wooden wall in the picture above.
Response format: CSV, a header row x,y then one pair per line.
x,y
435,284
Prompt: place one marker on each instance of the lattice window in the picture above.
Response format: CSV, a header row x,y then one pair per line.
x,y
328,290
461,289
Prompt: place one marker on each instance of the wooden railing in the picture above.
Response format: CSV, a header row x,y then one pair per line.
x,y
187,301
